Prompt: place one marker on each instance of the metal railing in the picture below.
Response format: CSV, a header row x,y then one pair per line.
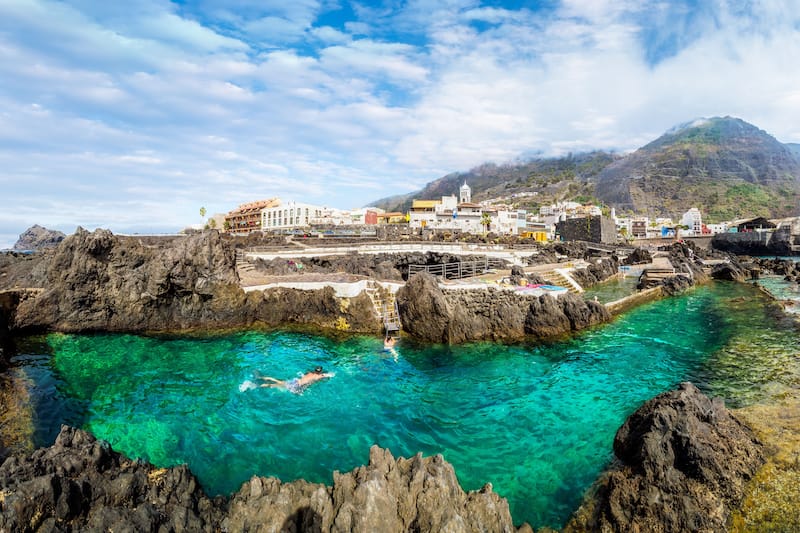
x,y
458,269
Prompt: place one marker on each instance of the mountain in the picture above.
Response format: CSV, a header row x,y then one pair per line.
x,y
724,166
794,147
570,177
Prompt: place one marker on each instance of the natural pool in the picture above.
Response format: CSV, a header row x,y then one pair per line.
x,y
537,421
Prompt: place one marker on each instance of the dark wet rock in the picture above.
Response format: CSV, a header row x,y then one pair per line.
x,y
432,314
731,271
684,461
639,256
37,238
81,484
787,268
687,258
101,282
424,309
574,249
676,285
599,269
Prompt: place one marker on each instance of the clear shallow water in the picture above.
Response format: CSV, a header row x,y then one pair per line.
x,y
783,290
613,289
535,421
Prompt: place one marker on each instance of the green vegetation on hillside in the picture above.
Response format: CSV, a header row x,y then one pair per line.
x,y
525,185
726,167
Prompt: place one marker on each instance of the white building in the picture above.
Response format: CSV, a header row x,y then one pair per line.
x,y
289,215
465,194
718,228
693,220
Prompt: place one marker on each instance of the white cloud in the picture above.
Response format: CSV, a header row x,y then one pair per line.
x,y
167,27
368,57
166,107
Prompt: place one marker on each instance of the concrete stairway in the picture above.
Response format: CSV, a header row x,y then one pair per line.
x,y
561,278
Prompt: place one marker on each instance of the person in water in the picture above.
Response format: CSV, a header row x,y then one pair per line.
x,y
388,342
297,384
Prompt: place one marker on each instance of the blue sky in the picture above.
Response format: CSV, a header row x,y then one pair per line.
x,y
132,115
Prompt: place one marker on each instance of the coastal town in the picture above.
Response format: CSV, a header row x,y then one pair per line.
x,y
459,266
453,215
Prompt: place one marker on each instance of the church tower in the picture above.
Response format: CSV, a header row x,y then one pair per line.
x,y
465,194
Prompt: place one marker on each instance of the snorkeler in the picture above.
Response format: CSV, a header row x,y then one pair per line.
x,y
296,385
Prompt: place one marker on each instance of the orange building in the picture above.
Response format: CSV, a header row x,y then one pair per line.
x,y
247,217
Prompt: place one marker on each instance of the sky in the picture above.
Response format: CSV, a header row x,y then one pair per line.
x,y
133,115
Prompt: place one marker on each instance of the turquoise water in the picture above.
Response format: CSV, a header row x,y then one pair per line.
x,y
537,421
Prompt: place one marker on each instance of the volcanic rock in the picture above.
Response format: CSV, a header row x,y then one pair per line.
x,y
102,282
81,484
731,271
432,314
597,271
684,461
37,238
637,257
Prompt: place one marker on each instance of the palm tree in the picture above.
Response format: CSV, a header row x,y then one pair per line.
x,y
486,221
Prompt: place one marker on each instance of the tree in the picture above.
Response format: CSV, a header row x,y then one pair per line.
x,y
486,221
213,223
202,212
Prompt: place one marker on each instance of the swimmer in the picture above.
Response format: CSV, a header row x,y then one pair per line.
x,y
296,385
388,342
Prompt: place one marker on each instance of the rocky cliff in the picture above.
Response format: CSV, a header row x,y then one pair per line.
x,y
101,282
683,463
455,316
81,484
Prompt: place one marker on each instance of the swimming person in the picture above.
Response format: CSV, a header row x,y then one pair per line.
x,y
296,385
388,343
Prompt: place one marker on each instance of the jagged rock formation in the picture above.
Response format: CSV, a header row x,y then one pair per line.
x,y
597,271
790,270
80,483
37,238
684,461
637,257
454,316
732,271
101,282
